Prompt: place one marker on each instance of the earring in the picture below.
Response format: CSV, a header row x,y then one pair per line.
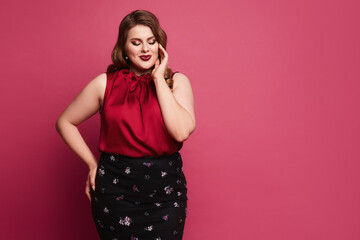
x,y
126,58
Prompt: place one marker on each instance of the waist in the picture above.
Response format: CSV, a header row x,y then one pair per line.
x,y
111,156
141,164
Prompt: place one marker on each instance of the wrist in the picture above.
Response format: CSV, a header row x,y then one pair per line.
x,y
92,165
159,79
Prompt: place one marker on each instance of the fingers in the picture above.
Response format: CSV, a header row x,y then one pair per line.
x,y
156,66
87,190
162,48
92,181
91,178
160,64
163,52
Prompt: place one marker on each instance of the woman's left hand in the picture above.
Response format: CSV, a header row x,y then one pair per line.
x,y
160,65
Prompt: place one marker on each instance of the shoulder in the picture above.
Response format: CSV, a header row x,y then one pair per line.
x,y
100,81
180,79
101,78
97,85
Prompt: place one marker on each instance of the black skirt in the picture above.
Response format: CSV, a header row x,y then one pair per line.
x,y
139,198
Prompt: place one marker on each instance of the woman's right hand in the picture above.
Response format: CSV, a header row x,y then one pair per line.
x,y
90,182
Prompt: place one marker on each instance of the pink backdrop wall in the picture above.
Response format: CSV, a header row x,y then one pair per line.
x,y
276,151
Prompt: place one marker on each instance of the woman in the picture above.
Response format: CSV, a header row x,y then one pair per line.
x,y
137,189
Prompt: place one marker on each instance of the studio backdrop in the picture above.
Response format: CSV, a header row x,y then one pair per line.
x,y
275,154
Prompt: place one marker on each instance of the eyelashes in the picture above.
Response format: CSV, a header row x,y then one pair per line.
x,y
137,43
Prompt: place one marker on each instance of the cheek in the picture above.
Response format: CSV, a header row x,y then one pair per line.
x,y
130,50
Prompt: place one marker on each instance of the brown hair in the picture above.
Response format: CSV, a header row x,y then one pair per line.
x,y
138,17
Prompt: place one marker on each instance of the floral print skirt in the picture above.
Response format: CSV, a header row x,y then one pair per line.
x,y
139,198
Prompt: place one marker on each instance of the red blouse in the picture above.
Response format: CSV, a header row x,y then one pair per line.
x,y
131,120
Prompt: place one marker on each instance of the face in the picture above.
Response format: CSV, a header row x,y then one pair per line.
x,y
142,49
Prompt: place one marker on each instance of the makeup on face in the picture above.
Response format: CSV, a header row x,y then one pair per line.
x,y
142,49
145,57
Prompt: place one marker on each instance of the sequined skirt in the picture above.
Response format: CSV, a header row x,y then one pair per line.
x,y
139,198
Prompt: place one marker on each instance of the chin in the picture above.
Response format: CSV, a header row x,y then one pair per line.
x,y
145,67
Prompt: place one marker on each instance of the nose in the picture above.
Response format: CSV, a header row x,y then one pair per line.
x,y
145,48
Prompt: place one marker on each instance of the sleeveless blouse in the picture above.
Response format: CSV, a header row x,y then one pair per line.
x,y
131,120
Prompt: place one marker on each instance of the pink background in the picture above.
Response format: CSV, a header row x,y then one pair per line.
x,y
275,154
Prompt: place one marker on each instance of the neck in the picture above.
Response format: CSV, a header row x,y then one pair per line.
x,y
139,73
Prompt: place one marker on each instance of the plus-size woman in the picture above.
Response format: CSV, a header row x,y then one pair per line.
x,y
137,188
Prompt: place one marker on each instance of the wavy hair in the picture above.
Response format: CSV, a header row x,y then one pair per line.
x,y
138,17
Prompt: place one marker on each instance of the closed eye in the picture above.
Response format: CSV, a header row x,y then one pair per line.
x,y
137,43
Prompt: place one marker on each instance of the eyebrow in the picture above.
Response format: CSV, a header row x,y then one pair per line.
x,y
140,39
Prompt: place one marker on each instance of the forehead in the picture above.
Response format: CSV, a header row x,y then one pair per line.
x,y
140,31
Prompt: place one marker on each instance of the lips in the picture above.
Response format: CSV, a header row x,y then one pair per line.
x,y
145,57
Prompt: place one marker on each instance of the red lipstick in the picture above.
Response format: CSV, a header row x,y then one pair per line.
x,y
145,57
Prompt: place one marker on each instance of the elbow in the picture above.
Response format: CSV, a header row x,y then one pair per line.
x,y
60,124
184,134
57,125
181,137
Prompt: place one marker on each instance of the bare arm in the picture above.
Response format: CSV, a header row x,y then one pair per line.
x,y
177,107
85,104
